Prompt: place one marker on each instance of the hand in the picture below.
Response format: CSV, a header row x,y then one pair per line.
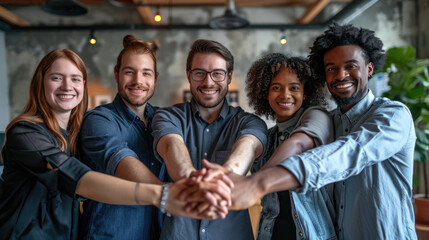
x,y
215,187
245,192
190,198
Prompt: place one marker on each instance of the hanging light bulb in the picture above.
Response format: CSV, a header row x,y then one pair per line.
x,y
283,40
157,17
92,39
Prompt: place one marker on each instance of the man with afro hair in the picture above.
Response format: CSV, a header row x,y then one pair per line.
x,y
371,160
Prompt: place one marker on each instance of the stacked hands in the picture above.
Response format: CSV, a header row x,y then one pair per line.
x,y
209,193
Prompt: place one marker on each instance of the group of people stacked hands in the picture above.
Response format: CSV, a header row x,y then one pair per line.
x,y
339,174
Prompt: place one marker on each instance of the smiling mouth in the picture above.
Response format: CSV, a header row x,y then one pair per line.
x,y
343,85
66,96
208,92
137,91
286,104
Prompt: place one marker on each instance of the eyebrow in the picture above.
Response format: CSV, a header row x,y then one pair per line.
x,y
292,83
144,69
73,75
348,61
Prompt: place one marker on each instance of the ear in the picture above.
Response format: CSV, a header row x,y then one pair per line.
x,y
370,68
116,76
229,77
156,77
188,74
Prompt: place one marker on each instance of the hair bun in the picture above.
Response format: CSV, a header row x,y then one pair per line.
x,y
132,41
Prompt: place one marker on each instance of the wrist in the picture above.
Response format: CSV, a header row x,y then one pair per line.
x,y
163,202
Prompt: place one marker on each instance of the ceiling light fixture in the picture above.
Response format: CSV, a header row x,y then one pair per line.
x,y
283,40
64,7
157,17
229,20
92,38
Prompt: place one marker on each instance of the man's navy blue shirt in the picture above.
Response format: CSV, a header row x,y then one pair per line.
x,y
109,133
213,142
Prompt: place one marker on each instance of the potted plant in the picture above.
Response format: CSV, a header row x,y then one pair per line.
x,y
409,81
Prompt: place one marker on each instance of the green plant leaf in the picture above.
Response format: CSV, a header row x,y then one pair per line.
x,y
415,93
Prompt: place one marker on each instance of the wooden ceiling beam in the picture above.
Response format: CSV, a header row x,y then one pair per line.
x,y
145,12
312,11
11,18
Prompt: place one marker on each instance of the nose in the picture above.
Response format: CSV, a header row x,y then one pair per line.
x,y
342,74
67,84
138,78
208,80
285,94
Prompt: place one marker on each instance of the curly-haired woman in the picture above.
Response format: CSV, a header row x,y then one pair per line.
x,y
282,88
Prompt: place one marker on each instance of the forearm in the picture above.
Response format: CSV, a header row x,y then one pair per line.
x,y
274,179
132,169
105,188
244,152
176,156
295,144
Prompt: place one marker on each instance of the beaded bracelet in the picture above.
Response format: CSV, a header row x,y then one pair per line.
x,y
163,199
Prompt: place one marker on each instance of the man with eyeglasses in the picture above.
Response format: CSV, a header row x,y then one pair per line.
x,y
207,128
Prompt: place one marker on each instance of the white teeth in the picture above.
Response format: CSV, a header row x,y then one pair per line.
x,y
345,85
208,92
66,96
286,104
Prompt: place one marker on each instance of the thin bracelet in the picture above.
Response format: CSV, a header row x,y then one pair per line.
x,y
163,199
136,193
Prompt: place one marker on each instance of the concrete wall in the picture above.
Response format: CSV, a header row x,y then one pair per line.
x,y
4,86
25,49
423,33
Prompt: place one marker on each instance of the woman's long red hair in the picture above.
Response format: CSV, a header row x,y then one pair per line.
x,y
38,110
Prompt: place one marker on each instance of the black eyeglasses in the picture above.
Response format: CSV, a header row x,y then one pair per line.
x,y
217,75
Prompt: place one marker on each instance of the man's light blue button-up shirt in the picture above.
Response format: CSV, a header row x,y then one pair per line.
x,y
371,162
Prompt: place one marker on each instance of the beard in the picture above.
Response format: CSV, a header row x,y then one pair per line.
x,y
350,100
202,103
139,101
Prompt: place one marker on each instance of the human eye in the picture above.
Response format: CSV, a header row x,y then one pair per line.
x,y
351,66
218,73
275,88
330,69
294,88
128,72
147,74
56,77
76,79
199,73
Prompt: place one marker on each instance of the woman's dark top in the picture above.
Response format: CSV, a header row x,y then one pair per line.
x,y
36,202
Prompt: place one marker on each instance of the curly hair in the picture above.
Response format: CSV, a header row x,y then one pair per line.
x,y
340,35
266,68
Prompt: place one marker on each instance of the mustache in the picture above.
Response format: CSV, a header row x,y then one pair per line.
x,y
137,86
343,81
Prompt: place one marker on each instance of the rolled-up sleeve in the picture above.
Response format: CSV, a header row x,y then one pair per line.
x,y
316,123
379,136
101,144
255,126
166,121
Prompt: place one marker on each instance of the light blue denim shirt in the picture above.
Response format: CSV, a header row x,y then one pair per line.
x,y
312,212
371,162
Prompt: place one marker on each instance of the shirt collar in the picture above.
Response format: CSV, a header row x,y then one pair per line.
x,y
123,109
223,112
360,107
283,126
